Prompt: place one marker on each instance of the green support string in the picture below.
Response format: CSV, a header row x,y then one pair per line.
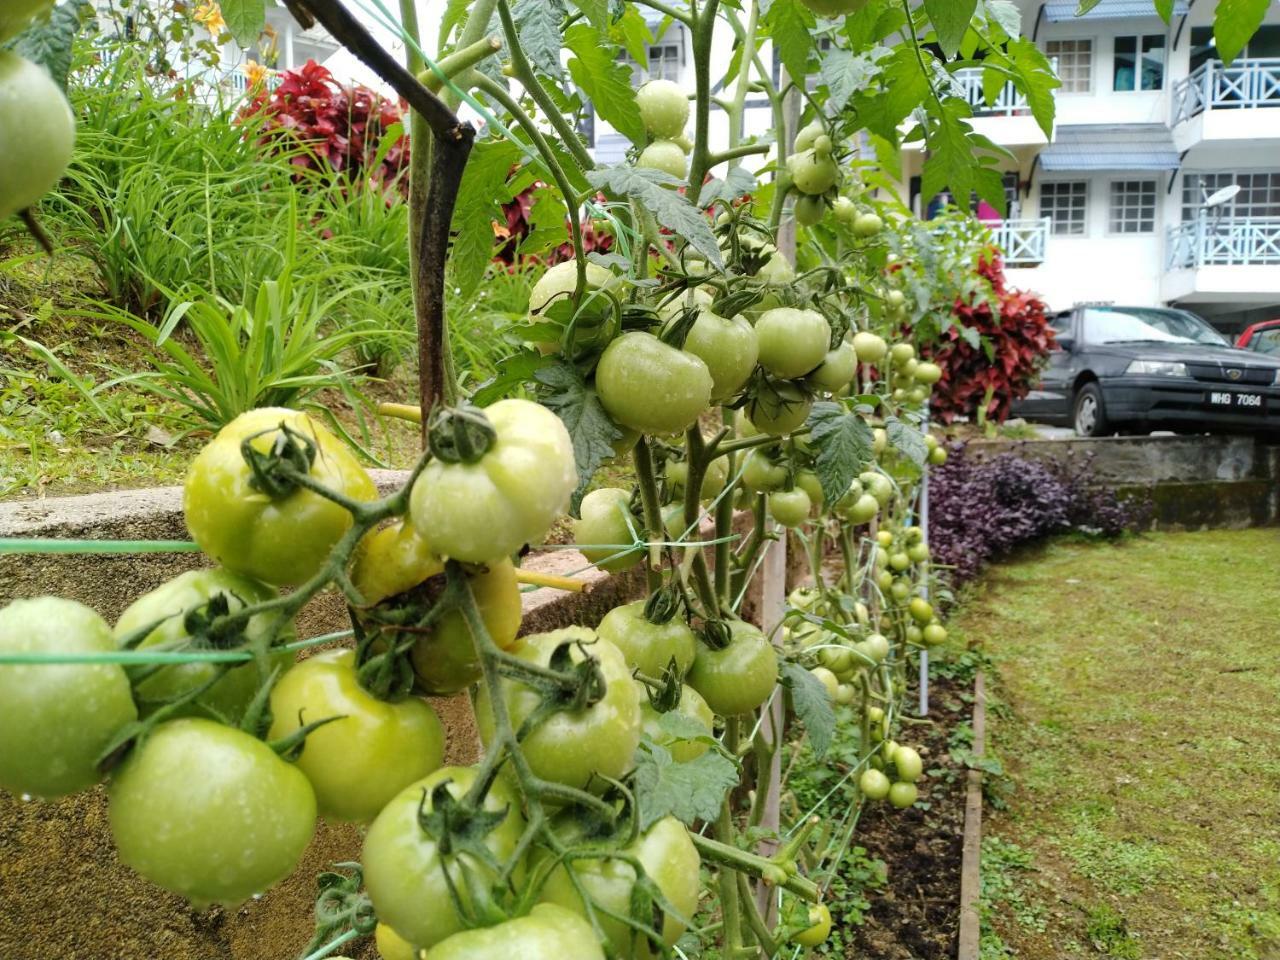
x,y
18,545
158,657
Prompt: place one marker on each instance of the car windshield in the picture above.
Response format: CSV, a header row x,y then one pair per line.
x,y
1135,325
1266,341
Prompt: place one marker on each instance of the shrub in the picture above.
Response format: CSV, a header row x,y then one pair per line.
x,y
522,220
980,509
983,375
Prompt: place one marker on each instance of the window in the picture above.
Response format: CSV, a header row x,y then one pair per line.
x,y
1133,206
1264,44
1139,63
1203,48
1063,202
1075,63
1259,194
666,59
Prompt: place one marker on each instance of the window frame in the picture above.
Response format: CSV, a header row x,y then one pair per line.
x,y
674,37
1053,220
1139,51
1111,207
1234,208
1093,63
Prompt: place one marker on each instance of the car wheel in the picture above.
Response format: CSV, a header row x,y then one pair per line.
x,y
1089,417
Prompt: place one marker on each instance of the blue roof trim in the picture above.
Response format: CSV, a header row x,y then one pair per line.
x,y
1111,147
1058,11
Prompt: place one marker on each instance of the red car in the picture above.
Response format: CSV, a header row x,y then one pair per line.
x,y
1263,337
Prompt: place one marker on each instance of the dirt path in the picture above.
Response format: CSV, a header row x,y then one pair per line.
x,y
1138,714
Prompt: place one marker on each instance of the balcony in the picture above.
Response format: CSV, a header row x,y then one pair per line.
x,y
1006,119
1217,102
1232,258
1022,242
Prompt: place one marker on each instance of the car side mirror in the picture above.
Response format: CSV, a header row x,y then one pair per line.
x,y
1065,342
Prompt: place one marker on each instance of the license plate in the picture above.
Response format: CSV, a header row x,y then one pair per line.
x,y
1242,402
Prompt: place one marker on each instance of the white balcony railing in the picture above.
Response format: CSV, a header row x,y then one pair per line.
x,y
1230,241
1022,242
1246,84
1008,103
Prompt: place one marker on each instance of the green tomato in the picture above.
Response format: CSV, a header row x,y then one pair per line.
x,y
874,784
845,694
899,353
484,511
669,860
870,348
646,646
729,348
792,342
899,561
227,698
808,134
549,932
356,765
652,387
664,155
281,540
903,795
691,706
819,927
739,677
760,474
862,510
928,373
876,646
811,172
606,520
827,679
210,813
837,370
593,325
57,719
934,634
808,481
392,946
920,609
790,507
938,456
878,485
37,127
404,868
845,210
779,408
395,560
664,108
809,210
908,764
918,552
867,225
777,271
573,747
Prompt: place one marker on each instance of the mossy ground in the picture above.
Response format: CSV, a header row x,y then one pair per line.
x,y
1137,709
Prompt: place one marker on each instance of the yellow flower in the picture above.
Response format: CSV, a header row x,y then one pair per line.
x,y
256,73
209,16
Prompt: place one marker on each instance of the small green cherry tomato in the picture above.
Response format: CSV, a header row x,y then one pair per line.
x,y
869,347
404,867
808,481
356,765
867,225
664,108
792,342
807,134
827,679
809,210
549,932
908,763
790,507
874,784
928,373
650,386
779,408
903,795
812,172
37,127
729,348
210,813
862,510
56,719
227,698
845,210
593,324
837,370
920,609
691,706
760,474
574,747
819,927
606,522
938,456
664,155
739,677
282,540
934,634
648,647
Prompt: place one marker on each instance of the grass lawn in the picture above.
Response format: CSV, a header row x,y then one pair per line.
x,y
1136,709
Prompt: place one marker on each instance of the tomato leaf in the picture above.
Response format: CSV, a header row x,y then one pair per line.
x,y
484,189
1034,76
789,24
907,440
1165,9
577,405
538,22
689,792
513,371
1005,14
812,706
844,444
959,159
605,80
737,182
48,42
1234,22
245,19
649,188
596,12
846,74
950,19
902,88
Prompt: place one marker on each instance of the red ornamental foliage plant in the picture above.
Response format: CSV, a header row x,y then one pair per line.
x,y
342,127
1003,362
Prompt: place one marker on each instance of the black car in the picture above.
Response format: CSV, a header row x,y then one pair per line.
x,y
1137,369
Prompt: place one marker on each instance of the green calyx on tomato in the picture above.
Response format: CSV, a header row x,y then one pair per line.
x,y
37,127
56,720
605,529
551,311
489,508
285,539
677,736
812,171
739,676
404,863
792,342
209,812
729,348
651,386
648,646
568,742
358,763
778,407
394,568
193,600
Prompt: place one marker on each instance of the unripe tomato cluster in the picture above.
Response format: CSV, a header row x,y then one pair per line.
x,y
664,110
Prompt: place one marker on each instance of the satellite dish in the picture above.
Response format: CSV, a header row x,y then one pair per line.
x,y
1225,195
